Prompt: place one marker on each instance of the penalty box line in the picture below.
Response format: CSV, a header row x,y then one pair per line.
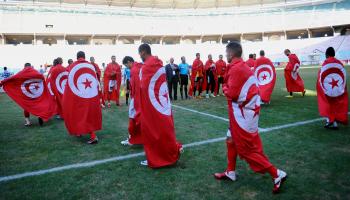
x,y
134,155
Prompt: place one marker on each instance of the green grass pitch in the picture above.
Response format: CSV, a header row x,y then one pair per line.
x,y
316,160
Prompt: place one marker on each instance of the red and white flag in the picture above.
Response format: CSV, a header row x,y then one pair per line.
x,y
294,82
265,73
56,82
157,127
28,89
332,93
81,103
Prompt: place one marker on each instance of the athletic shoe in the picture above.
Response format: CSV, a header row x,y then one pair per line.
x,y
277,182
126,142
93,141
207,96
109,105
231,175
212,95
27,124
331,125
304,93
144,163
41,122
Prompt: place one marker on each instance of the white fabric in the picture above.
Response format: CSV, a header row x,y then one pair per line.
x,y
111,85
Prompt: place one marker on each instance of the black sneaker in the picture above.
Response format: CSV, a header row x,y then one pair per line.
x,y
93,141
41,122
330,125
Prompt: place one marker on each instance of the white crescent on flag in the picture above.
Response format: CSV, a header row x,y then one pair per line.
x,y
161,102
247,115
295,71
132,111
33,88
86,84
264,74
50,89
61,81
333,79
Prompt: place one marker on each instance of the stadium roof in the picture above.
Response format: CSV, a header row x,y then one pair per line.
x,y
169,4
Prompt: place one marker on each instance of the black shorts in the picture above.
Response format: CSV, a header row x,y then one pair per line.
x,y
127,84
221,80
184,79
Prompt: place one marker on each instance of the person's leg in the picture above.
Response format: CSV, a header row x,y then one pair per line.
x,y
170,88
200,85
175,89
26,118
195,85
93,138
185,84
212,84
127,92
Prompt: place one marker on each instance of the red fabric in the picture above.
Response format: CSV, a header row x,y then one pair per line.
x,y
242,93
332,99
112,72
197,71
157,127
231,155
251,63
81,103
135,121
266,81
26,114
220,68
294,82
207,67
56,80
24,88
98,71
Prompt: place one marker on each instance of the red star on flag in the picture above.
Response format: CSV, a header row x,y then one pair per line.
x,y
87,83
264,77
165,95
36,86
334,83
256,110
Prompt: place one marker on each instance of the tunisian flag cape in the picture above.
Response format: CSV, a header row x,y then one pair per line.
x,y
294,83
157,125
197,70
242,93
81,103
56,82
29,90
265,73
134,106
112,72
207,66
332,94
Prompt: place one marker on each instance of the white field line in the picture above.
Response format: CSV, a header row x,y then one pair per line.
x,y
206,114
313,67
134,155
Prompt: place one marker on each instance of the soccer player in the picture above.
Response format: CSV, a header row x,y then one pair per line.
x,y
157,123
98,74
197,76
184,72
332,94
294,82
243,139
210,76
251,62
112,81
220,72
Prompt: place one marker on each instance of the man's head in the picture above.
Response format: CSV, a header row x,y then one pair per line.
x,y
251,55
198,55
70,61
59,60
54,62
210,57
254,56
5,68
330,52
27,65
92,59
233,50
144,51
128,61
171,60
113,59
287,52
81,55
220,57
183,59
262,53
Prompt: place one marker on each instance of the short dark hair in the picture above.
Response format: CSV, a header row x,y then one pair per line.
x,y
80,54
287,50
27,65
236,47
262,53
197,54
145,47
330,52
59,60
127,59
251,55
5,68
55,62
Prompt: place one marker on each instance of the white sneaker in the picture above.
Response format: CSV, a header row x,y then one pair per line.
x,y
126,142
212,95
277,182
144,163
207,96
231,175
